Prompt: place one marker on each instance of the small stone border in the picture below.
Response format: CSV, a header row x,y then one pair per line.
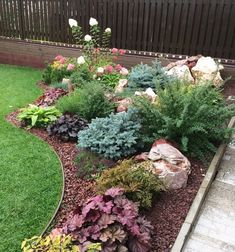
x,y
200,197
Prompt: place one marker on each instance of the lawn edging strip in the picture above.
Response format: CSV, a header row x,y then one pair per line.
x,y
200,197
62,192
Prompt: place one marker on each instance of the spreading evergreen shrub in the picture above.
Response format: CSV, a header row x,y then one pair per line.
x,y
88,102
113,137
139,184
144,76
193,116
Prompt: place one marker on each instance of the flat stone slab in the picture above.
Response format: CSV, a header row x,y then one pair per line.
x,y
205,244
214,230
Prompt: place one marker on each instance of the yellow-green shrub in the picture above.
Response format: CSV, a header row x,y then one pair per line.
x,y
139,184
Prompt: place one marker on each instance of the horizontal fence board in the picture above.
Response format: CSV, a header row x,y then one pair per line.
x,y
168,26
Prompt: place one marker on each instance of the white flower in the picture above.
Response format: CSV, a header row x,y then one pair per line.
x,y
108,30
72,22
100,70
124,71
93,22
87,38
81,60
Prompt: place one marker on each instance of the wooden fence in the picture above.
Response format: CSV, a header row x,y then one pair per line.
x,y
186,27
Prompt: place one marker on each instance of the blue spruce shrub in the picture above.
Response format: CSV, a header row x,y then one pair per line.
x,y
114,137
144,76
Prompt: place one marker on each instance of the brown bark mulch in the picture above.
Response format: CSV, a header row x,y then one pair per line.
x,y
167,215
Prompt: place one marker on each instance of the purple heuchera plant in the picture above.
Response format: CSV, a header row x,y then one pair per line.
x,y
113,220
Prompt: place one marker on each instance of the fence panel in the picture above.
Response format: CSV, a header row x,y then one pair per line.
x,y
168,26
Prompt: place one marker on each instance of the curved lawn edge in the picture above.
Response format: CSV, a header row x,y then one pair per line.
x,y
31,175
62,172
63,186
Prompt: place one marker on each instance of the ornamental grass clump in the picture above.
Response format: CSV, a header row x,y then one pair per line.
x,y
113,137
193,116
88,102
139,184
112,220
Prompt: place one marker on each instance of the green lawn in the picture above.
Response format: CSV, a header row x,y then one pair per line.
x,y
30,174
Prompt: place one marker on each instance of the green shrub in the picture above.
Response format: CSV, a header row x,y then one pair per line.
x,y
113,137
90,165
192,116
60,85
111,79
88,102
81,76
139,184
52,75
144,76
38,116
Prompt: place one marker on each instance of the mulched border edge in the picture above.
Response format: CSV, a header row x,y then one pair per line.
x,y
200,197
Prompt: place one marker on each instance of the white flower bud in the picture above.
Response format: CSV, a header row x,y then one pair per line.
x,y
72,22
93,22
87,38
107,30
81,60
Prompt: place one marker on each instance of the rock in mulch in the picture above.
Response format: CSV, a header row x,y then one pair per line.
x,y
171,208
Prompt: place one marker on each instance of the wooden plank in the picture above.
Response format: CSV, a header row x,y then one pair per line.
x,y
157,31
224,30
151,26
135,25
189,28
145,28
125,24
170,25
129,28
140,25
183,25
119,23
230,34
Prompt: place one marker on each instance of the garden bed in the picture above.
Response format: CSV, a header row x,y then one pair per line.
x,y
166,215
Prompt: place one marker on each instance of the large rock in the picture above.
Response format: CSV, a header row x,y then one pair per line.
x,y
124,104
149,93
181,72
121,85
207,69
169,164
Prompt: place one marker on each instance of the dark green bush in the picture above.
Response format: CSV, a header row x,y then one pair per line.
x,y
90,165
54,75
193,116
88,102
81,76
139,184
113,137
